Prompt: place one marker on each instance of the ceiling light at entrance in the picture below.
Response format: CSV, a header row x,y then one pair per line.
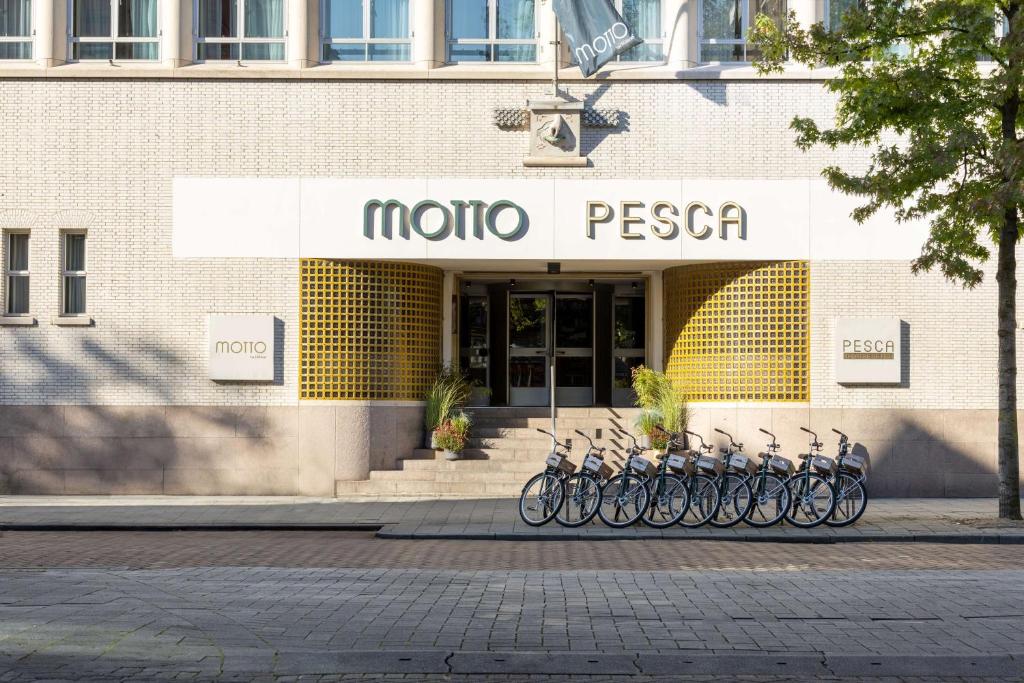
x,y
554,268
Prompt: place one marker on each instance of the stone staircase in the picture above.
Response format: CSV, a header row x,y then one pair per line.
x,y
505,449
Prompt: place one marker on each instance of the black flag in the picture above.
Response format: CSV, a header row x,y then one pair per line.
x,y
596,32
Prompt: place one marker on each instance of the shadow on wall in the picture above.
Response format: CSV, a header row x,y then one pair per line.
x,y
77,448
593,137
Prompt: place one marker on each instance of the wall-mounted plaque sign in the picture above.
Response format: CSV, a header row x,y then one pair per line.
x,y
241,347
868,351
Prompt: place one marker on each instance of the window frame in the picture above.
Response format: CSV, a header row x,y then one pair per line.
x,y
660,41
30,38
113,38
744,30
240,38
9,274
65,274
366,41
492,40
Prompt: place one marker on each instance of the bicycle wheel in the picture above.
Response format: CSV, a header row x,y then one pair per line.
x,y
541,499
851,501
582,498
703,503
771,501
624,500
736,501
812,500
669,501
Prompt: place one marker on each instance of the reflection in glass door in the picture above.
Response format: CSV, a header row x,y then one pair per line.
x,y
529,341
574,349
630,343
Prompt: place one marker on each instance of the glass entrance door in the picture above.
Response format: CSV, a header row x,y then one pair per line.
x,y
546,327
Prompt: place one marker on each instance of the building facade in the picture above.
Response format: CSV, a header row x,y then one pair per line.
x,y
240,238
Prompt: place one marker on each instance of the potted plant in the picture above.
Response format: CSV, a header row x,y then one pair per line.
x,y
453,434
480,395
448,393
660,400
647,427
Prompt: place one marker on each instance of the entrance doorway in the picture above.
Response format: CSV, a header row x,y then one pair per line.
x,y
589,334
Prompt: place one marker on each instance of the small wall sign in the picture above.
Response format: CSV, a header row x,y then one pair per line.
x,y
868,351
241,347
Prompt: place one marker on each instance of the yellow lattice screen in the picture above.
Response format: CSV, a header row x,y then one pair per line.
x,y
738,331
368,330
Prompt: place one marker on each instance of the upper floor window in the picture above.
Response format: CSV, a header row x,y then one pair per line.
x,y
492,31
240,30
16,273
15,29
724,25
114,29
73,274
366,31
644,16
833,11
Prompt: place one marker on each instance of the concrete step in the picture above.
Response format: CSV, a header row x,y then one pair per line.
x,y
373,487
506,432
534,423
504,466
544,412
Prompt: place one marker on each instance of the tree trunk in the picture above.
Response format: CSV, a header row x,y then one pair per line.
x,y
1006,276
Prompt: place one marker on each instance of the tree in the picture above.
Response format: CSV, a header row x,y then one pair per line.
x,y
933,88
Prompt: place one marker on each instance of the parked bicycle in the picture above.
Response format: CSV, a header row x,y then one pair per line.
x,y
702,470
669,497
733,485
768,485
849,483
626,496
544,493
583,488
813,498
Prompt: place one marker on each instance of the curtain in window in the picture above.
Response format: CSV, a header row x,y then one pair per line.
x,y
515,21
74,295
15,18
218,18
644,17
776,9
74,252
723,19
344,19
136,18
389,19
264,18
92,18
838,8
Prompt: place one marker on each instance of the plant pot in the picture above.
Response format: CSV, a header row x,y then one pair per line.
x,y
451,455
480,398
644,441
429,439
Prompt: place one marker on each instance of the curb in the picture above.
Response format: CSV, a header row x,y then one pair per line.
x,y
190,526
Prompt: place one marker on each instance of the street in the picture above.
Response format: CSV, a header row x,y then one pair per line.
x,y
326,605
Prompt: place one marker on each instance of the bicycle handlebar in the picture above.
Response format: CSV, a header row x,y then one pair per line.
x,y
555,439
838,432
765,431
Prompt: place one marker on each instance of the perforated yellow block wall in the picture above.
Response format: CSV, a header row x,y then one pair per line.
x,y
738,331
368,330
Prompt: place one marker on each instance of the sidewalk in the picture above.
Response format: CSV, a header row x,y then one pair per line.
x,y
887,520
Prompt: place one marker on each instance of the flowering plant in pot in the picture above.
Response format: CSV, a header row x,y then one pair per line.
x,y
449,392
451,436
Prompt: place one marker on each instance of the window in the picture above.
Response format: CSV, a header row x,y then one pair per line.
x,y
249,30
366,31
16,272
834,10
644,17
724,27
114,29
491,31
73,274
15,29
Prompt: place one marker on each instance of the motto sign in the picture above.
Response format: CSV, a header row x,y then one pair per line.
x,y
241,347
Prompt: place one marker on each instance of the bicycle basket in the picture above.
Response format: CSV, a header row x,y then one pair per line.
x,y
596,465
823,465
680,463
856,464
561,463
780,465
741,464
709,464
644,466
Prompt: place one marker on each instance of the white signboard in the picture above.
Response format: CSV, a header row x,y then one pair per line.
x,y
439,219
868,351
241,347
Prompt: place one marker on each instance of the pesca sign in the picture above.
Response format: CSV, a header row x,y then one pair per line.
x,y
508,221
868,350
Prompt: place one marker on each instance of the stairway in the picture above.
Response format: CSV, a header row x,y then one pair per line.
x,y
505,449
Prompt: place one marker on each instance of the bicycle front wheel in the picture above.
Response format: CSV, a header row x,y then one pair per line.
x,y
624,500
541,499
582,498
813,500
851,501
669,501
736,501
703,503
771,501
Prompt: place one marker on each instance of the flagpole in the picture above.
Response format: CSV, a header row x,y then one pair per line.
x,y
558,30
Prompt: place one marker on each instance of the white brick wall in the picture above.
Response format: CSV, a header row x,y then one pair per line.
x,y
100,154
